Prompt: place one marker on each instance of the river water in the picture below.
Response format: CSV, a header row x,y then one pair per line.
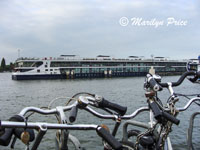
x,y
15,95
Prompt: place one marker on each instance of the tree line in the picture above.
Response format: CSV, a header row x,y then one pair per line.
x,y
5,67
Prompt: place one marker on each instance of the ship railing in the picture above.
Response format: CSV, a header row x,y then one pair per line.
x,y
27,58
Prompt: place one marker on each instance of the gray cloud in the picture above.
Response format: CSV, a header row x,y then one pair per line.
x,y
88,28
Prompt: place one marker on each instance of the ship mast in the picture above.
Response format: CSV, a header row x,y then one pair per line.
x,y
18,53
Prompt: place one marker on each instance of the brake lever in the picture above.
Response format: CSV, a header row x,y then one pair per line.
x,y
88,100
94,101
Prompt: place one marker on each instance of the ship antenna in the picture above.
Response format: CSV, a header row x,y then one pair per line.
x,y
18,53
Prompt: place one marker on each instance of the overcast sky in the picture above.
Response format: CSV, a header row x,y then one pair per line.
x,y
88,28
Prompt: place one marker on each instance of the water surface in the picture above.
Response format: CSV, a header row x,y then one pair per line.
x,y
15,95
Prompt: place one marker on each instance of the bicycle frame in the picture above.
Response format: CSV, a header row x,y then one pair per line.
x,y
190,130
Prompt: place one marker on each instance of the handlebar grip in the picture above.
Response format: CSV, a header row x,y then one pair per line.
x,y
109,138
154,85
170,118
156,110
6,137
119,109
19,131
159,114
73,114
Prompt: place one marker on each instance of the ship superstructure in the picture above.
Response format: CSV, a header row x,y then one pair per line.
x,y
71,66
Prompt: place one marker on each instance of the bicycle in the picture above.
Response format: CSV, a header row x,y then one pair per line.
x,y
152,138
165,116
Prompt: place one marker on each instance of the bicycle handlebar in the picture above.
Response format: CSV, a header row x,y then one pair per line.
x,y
87,108
44,126
133,115
188,104
43,111
181,79
97,114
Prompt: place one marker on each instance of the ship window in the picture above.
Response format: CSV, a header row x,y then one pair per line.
x,y
46,69
85,70
64,64
38,70
37,64
77,70
25,64
45,66
51,69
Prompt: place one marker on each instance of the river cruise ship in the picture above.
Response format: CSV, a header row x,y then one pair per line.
x,y
71,67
